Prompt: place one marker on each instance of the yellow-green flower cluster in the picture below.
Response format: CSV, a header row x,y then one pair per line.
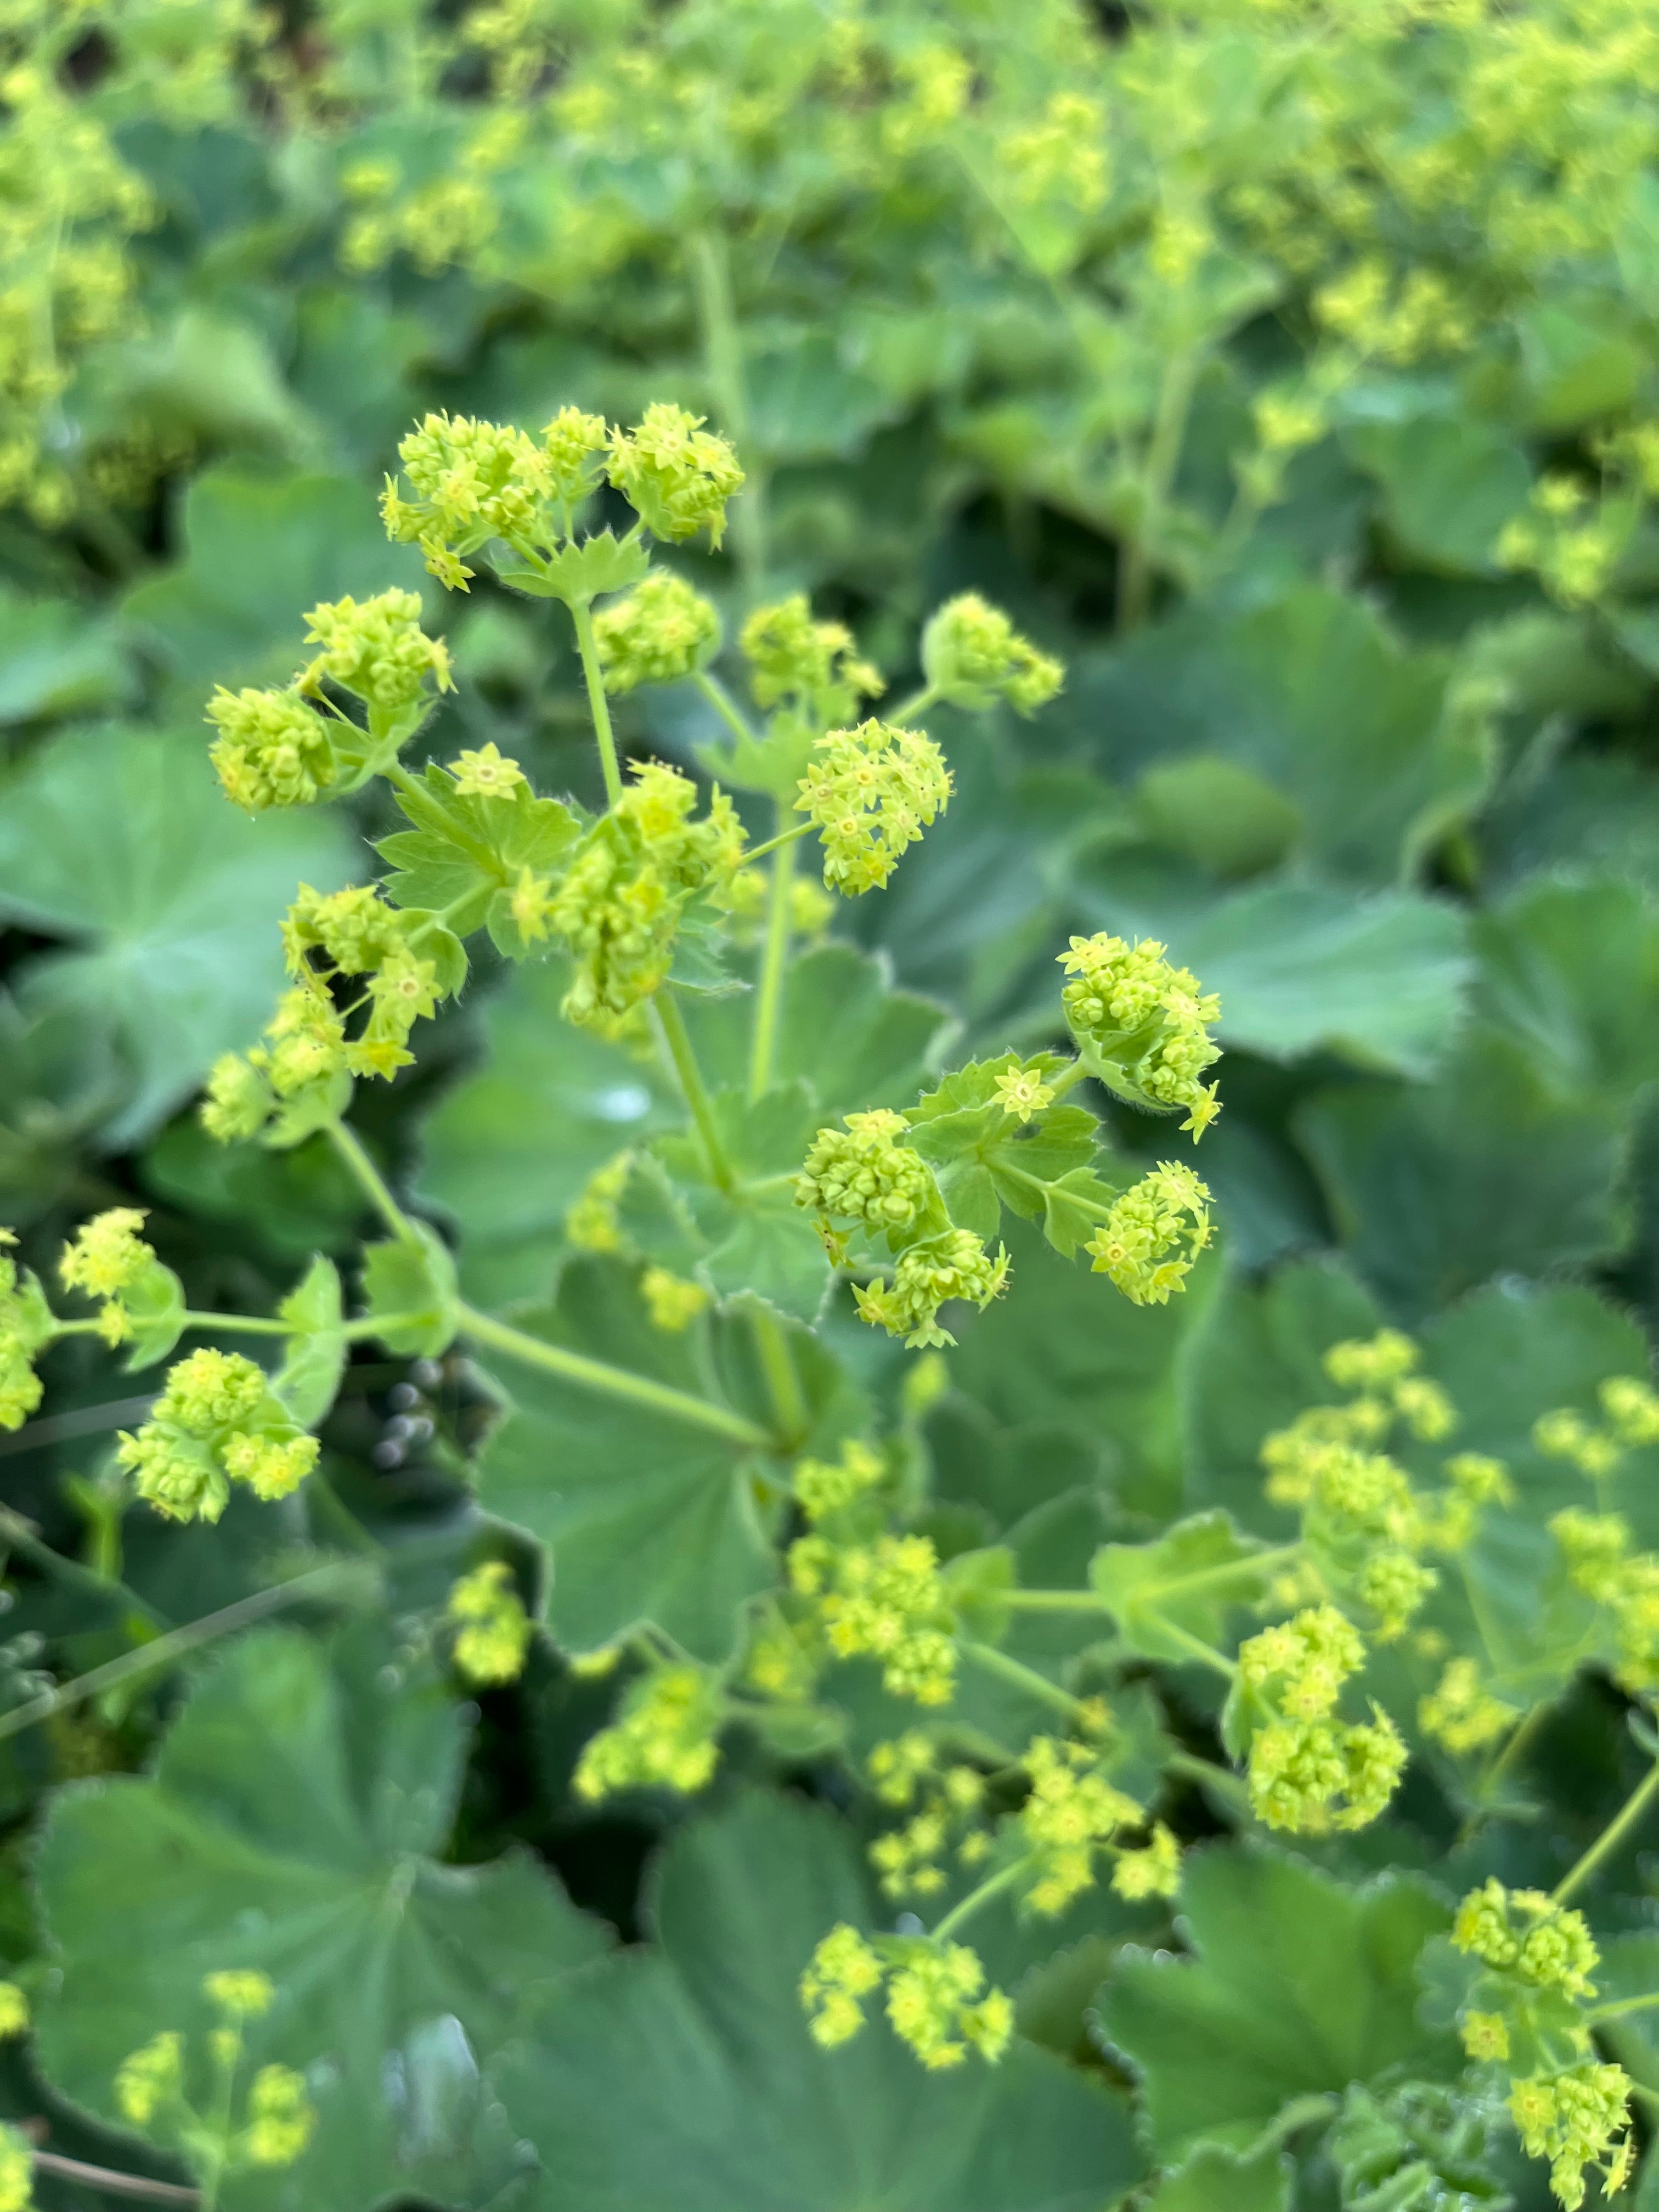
x,y
825,1487
883,1601
1571,538
1623,1582
377,650
1630,1411
281,2118
1072,1811
675,474
871,794
666,1738
217,1422
486,771
13,2010
869,1173
305,1048
492,1629
107,1259
672,1303
1142,1025
1311,1771
1579,2120
813,665
907,1859
16,2170
353,932
933,1999
619,903
593,1223
474,481
26,1326
1461,1714
274,749
1521,1934
151,2078
660,632
1381,1373
955,1264
239,1992
1152,1234
973,656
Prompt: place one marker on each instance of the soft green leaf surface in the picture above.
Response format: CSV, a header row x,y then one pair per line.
x,y
744,2113
1301,1985
121,841
1185,1579
293,1825
54,660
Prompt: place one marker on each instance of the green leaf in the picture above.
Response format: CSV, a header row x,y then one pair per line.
x,y
746,2112
156,1304
1191,1578
294,1825
122,841
1579,362
1064,1348
261,551
55,660
1070,1208
1300,1986
580,574
309,1376
1300,966
1269,687
463,851
1571,970
410,1289
1213,2180
1449,486
843,1029
650,1517
291,1203
1484,1172
1221,816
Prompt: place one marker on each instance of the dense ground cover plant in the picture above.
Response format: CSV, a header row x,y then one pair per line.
x,y
829,980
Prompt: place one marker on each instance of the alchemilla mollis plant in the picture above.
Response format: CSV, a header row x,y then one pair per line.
x,y
697,1510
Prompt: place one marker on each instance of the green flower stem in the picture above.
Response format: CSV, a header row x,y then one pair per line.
x,y
776,844
1281,1555
598,705
711,280
372,1325
320,1492
1613,1835
1055,1601
23,1538
918,703
1206,1654
992,1662
164,1650
84,1421
1175,401
1222,1779
241,1324
724,705
670,1023
1068,1077
769,998
108,2183
614,1381
1619,2007
993,1886
782,1383
346,1143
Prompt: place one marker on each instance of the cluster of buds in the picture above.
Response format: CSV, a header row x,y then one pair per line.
x,y
1522,2012
934,1996
884,1601
955,1264
300,1060
217,1421
492,1629
811,667
672,1302
1070,1812
619,904
1631,1419
26,1326
1461,1714
151,2086
665,1739
1309,1770
107,1259
972,656
276,748
661,632
870,1174
1151,1235
1625,1582
872,791
942,1802
1142,1025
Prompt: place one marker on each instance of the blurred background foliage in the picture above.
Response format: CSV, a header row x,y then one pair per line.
x,y
1288,369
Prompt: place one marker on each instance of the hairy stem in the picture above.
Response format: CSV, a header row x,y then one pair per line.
x,y
241,1324
711,279
992,1662
1610,1837
784,837
769,998
614,1381
173,1645
346,1143
724,705
917,703
109,2183
993,1886
670,1023
598,705
789,1406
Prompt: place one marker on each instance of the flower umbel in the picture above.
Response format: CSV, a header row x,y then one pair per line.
x,y
872,791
